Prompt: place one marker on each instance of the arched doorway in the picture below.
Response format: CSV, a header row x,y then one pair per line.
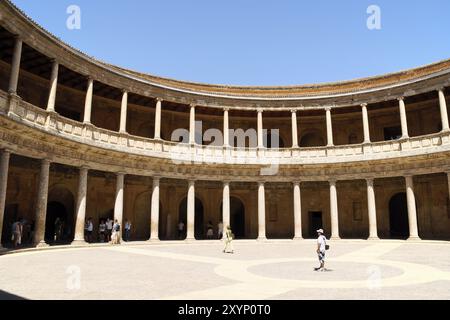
x,y
199,228
312,139
398,216
237,217
55,223
59,222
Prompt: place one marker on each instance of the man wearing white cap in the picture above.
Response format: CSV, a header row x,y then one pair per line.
x,y
321,249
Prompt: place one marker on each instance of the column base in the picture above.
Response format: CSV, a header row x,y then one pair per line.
x,y
335,238
41,244
261,239
373,238
190,240
154,240
414,238
79,243
298,238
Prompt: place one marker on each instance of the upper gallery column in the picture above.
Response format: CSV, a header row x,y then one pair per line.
x,y
53,86
41,204
329,127
88,100
158,119
294,129
412,212
260,129
154,218
373,233
4,166
190,235
261,211
15,66
81,207
192,124
443,107
297,212
118,204
226,128
403,120
123,112
226,206
334,210
366,128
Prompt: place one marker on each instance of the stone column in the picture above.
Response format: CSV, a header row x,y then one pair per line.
x,y
294,129
261,211
192,125
15,66
371,205
297,212
41,204
443,107
226,130
448,183
412,213
226,206
4,166
81,207
260,129
329,127
334,210
366,128
403,120
123,112
154,220
88,101
158,119
191,211
118,205
53,86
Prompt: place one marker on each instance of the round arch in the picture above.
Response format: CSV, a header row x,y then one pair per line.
x,y
312,139
59,222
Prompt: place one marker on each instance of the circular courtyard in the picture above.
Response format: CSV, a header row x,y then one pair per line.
x,y
257,270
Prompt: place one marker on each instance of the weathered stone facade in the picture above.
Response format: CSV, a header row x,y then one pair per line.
x,y
362,159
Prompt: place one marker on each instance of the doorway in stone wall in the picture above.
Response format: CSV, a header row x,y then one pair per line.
x,y
315,223
398,217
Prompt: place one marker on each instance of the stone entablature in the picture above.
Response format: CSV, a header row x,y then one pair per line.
x,y
341,94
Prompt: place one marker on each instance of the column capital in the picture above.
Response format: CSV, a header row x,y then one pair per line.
x,y
259,110
364,105
294,111
192,105
156,180
124,91
191,182
17,37
6,150
297,182
159,99
45,161
440,88
89,78
54,60
402,98
261,183
332,181
370,181
120,173
226,183
84,167
226,109
328,108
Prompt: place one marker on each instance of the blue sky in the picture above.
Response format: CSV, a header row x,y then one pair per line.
x,y
253,42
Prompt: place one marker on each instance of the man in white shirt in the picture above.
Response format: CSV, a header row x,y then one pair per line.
x,y
109,226
220,230
180,229
321,249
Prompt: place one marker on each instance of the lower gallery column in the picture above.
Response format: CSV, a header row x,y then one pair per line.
x,y
154,220
4,166
118,205
412,212
191,211
226,206
373,232
81,207
448,183
297,212
334,211
41,205
261,211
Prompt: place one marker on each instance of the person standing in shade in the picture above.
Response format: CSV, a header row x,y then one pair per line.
x,y
127,230
102,230
180,230
228,241
115,238
220,230
89,230
321,249
109,227
209,230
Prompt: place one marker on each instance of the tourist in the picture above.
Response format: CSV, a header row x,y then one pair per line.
x,y
115,237
220,230
180,230
17,230
228,241
209,231
58,229
102,230
89,229
109,227
321,249
127,230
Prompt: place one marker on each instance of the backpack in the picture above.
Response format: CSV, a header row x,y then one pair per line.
x,y
117,228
